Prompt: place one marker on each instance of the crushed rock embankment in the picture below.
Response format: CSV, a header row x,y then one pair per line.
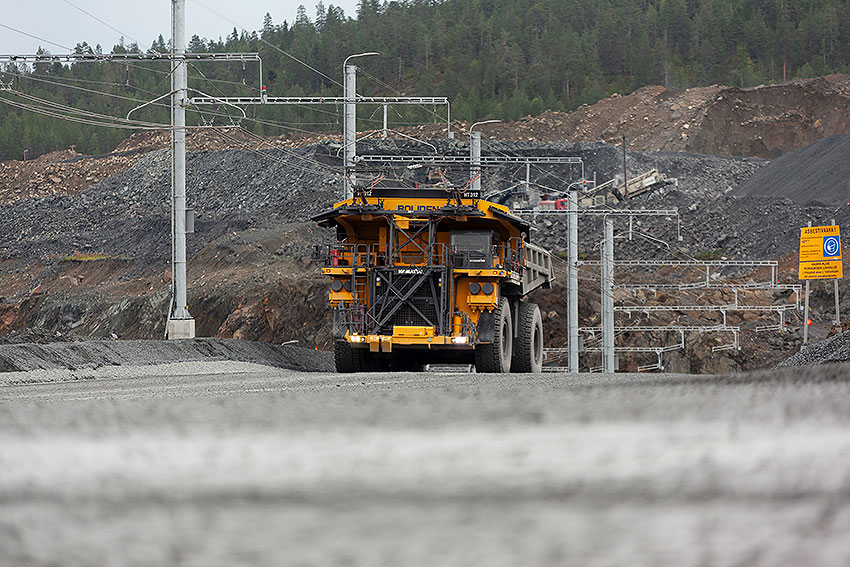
x,y
831,350
95,354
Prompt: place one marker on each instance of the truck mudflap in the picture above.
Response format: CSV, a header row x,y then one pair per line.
x,y
486,327
340,324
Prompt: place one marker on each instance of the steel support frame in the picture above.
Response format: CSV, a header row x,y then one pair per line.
x,y
463,160
394,296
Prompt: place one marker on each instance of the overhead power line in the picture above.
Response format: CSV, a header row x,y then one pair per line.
x,y
107,24
80,120
273,46
36,37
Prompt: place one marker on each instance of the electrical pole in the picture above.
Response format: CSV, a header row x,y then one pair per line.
x,y
350,129
572,279
181,325
475,160
385,122
625,173
349,122
475,154
608,359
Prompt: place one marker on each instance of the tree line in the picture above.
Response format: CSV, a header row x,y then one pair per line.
x,y
493,59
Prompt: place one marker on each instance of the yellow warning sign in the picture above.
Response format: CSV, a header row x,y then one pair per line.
x,y
820,253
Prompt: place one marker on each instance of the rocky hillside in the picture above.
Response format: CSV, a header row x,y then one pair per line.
x,y
764,121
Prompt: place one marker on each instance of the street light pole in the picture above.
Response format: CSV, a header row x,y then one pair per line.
x,y
475,155
349,123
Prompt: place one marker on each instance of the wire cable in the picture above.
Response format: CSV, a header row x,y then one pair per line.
x,y
285,162
35,37
294,58
110,26
86,113
51,114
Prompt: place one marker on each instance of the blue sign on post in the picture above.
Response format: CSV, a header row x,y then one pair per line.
x,y
831,246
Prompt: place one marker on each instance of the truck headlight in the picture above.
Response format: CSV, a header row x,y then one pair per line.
x,y
460,340
474,287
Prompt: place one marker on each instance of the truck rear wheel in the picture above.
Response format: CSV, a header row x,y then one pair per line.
x,y
496,356
348,359
528,347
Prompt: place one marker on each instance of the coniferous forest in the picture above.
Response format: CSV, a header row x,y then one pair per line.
x,y
493,59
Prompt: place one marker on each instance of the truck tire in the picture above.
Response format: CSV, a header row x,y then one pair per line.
x,y
496,356
348,359
528,346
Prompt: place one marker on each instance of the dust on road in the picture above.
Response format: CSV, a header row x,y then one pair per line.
x,y
241,464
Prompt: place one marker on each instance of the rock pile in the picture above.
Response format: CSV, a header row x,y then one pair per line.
x,y
817,174
763,121
94,354
128,214
835,349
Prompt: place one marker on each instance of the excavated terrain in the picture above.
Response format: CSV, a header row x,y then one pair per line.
x,y
817,174
95,262
763,121
84,240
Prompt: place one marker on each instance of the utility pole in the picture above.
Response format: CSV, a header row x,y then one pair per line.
x,y
475,154
475,161
385,122
350,126
625,173
608,358
349,122
181,325
572,279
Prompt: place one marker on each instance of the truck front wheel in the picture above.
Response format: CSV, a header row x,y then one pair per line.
x,y
528,347
348,359
496,356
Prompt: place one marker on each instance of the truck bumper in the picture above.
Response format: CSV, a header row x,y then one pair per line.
x,y
386,343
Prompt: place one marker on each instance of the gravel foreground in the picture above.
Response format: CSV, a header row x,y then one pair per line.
x,y
232,463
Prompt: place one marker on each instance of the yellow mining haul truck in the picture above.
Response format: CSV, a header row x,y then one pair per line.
x,y
421,279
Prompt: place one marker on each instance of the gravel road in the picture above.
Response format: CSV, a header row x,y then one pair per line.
x,y
229,463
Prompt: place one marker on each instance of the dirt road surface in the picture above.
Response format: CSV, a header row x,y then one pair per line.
x,y
232,463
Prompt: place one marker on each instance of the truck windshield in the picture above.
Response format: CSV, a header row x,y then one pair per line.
x,y
472,240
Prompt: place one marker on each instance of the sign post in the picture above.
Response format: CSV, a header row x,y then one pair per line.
x,y
837,322
820,259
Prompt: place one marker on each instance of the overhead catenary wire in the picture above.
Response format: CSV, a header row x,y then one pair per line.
x,y
80,120
70,49
335,170
397,91
37,77
223,132
284,52
282,125
107,24
81,112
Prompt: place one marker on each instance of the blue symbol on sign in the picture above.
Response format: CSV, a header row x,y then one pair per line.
x,y
830,246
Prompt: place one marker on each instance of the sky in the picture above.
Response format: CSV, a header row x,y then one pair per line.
x,y
142,21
